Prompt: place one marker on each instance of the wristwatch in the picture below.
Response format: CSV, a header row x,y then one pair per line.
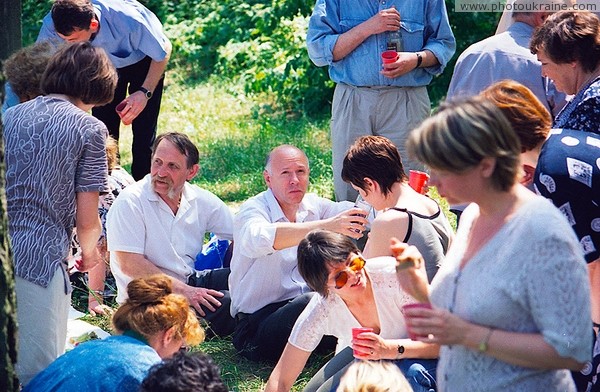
x,y
419,59
400,349
146,92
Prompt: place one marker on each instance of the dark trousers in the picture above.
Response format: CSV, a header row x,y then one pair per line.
x,y
262,335
144,126
220,322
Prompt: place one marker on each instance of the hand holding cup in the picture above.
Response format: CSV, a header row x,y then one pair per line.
x,y
410,270
356,332
389,57
121,107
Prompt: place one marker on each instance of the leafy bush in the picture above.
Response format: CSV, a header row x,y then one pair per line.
x,y
33,12
261,45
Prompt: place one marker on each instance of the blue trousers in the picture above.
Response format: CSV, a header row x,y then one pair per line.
x,y
420,373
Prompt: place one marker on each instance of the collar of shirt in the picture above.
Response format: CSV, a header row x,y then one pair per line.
x,y
305,208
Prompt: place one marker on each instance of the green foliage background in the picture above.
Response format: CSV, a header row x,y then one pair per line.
x,y
259,45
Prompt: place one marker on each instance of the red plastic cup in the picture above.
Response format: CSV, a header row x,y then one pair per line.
x,y
420,305
120,107
418,181
389,57
358,331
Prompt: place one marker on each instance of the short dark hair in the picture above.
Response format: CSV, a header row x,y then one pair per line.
x,y
184,373
183,144
319,249
69,15
464,132
82,71
374,157
568,36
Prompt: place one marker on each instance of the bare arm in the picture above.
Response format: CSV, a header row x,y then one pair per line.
x,y
137,101
384,20
388,348
89,228
290,234
387,225
287,370
520,349
135,265
410,270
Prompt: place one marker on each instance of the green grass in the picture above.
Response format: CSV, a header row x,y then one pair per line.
x,y
234,133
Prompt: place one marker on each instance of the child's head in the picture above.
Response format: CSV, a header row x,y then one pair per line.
x,y
373,376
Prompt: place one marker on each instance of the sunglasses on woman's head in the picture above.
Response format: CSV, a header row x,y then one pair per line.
x,y
357,263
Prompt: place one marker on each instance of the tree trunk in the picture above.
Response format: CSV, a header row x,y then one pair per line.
x,y
10,33
10,40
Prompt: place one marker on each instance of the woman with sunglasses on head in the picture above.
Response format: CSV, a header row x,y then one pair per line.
x,y
354,292
511,302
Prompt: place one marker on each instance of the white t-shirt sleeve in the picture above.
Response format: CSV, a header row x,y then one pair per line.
x,y
125,226
311,325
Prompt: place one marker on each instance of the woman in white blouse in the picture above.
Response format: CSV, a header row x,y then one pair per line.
x,y
354,292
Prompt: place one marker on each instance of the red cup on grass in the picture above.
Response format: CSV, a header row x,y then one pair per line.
x,y
389,57
358,331
417,305
120,107
418,181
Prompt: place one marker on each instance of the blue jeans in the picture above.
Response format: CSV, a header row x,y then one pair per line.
x,y
420,373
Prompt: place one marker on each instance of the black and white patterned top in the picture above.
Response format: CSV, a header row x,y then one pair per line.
x,y
583,111
53,151
568,173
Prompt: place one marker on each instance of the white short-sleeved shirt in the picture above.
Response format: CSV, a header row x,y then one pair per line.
x,y
139,221
330,316
261,275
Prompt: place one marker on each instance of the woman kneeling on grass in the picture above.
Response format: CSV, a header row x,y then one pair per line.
x,y
353,293
153,324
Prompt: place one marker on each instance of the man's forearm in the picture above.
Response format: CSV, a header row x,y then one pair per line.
x,y
156,71
290,234
349,41
135,265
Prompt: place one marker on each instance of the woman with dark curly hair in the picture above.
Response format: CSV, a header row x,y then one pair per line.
x,y
153,324
568,46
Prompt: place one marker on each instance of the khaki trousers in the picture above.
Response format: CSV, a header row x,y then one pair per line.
x,y
381,110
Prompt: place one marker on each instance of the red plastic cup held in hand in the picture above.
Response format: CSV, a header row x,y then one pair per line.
x,y
389,57
120,107
418,181
358,331
413,306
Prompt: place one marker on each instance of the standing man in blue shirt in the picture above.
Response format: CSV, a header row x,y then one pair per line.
x,y
134,40
349,36
507,56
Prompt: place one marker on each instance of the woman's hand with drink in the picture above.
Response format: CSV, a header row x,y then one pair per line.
x,y
410,270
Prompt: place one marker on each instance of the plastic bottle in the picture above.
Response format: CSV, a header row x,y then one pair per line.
x,y
394,41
